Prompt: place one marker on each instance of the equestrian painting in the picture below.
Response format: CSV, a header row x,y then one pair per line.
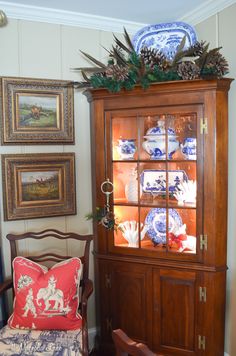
x,y
39,185
37,111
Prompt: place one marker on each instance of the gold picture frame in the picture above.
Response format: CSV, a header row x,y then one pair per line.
x,y
38,185
36,111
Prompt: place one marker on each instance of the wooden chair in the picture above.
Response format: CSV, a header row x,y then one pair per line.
x,y
86,285
126,346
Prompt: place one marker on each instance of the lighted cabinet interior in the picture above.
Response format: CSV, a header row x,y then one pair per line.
x,y
154,169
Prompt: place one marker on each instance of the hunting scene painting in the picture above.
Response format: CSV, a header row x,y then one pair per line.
x,y
36,111
38,185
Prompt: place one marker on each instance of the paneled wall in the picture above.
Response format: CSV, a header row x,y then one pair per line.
x,y
220,30
41,50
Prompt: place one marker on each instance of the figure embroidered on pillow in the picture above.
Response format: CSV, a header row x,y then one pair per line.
x,y
24,281
29,305
51,293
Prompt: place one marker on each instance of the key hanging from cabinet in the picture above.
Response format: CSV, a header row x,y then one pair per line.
x,y
108,218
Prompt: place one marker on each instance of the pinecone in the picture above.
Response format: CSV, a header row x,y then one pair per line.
x,y
153,57
198,48
218,64
117,72
188,70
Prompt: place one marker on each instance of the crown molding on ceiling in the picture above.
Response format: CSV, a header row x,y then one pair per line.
x,y
205,11
42,14
62,17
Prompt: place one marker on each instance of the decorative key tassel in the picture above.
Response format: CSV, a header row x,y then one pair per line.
x,y
107,219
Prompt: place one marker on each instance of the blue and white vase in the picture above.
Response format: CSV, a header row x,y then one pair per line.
x,y
131,187
189,148
126,148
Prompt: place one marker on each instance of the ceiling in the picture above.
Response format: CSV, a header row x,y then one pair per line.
x,y
146,12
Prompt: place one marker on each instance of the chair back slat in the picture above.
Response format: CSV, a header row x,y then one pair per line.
x,y
52,257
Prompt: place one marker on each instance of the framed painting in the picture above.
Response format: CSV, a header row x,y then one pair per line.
x,y
38,185
36,111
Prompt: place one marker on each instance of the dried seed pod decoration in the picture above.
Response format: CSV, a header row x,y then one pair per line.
x,y
117,72
188,70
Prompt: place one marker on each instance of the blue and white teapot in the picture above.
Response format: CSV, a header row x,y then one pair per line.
x,y
126,148
155,144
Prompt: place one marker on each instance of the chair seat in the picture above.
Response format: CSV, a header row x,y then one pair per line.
x,y
37,343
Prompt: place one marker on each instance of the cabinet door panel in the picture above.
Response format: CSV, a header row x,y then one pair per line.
x,y
131,303
104,302
175,311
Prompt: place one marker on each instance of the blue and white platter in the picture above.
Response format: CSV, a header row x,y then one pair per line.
x,y
164,37
156,224
154,180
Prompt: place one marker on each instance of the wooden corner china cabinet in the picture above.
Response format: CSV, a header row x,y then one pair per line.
x,y
161,276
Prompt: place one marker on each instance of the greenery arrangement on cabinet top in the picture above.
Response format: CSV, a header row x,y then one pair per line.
x,y
126,68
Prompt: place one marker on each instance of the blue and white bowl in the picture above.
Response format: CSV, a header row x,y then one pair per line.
x,y
126,148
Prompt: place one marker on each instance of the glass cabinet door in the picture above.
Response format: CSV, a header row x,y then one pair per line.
x,y
155,163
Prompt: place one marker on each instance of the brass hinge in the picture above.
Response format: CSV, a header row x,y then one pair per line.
x,y
109,324
107,280
203,126
201,342
203,242
202,294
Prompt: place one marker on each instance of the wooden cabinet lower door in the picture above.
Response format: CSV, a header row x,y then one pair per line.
x,y
131,300
174,311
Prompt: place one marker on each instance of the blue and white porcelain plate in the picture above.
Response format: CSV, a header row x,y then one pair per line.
x,y
156,224
154,180
164,37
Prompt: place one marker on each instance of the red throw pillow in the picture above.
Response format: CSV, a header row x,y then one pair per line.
x,y
46,299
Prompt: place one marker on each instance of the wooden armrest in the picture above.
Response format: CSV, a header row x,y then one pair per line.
x,y
125,345
5,285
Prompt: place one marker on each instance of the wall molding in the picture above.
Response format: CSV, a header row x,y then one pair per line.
x,y
69,18
42,14
205,11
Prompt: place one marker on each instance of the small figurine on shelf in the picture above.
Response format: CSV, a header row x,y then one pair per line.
x,y
130,232
131,187
179,238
